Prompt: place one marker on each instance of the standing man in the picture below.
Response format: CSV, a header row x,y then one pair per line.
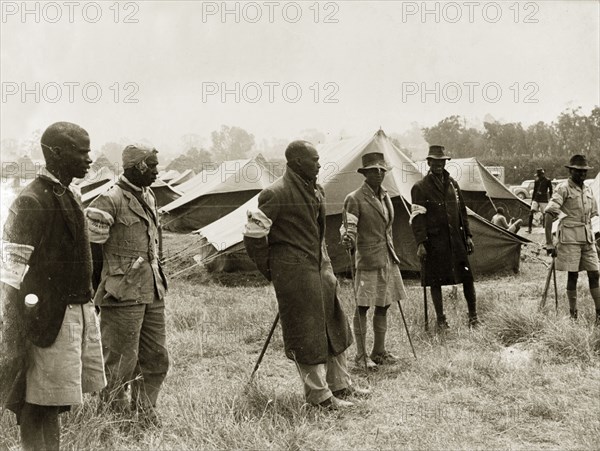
x,y
46,285
124,227
285,237
542,192
441,228
574,205
367,225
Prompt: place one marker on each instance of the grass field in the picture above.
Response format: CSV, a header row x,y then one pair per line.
x,y
524,380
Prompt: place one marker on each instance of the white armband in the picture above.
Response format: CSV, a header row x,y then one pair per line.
x,y
416,210
15,259
349,225
99,223
258,225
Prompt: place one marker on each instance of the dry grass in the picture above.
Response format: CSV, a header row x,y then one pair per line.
x,y
524,380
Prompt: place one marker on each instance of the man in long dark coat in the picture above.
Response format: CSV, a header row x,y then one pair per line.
x,y
441,229
285,237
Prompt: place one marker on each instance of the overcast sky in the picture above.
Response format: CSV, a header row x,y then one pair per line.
x,y
352,66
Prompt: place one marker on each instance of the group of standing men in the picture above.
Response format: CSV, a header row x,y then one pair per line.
x,y
285,237
56,256
61,266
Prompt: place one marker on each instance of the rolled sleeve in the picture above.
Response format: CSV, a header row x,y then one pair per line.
x,y
557,200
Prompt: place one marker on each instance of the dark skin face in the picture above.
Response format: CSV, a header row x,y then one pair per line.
x,y
71,160
578,175
307,164
146,178
374,178
436,166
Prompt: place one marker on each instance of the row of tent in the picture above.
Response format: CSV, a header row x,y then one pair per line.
x,y
221,246
193,200
99,182
214,202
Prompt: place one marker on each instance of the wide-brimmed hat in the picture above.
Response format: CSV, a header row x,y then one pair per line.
x,y
373,160
539,171
578,162
437,153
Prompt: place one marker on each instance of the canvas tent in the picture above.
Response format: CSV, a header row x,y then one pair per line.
x,y
183,177
482,192
167,176
164,193
339,162
201,178
88,197
95,179
213,194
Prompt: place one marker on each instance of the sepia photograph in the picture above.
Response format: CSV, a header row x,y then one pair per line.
x,y
299,225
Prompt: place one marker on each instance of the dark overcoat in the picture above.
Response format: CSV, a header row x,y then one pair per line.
x,y
443,229
49,218
295,258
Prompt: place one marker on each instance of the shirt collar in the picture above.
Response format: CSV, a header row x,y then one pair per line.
x,y
131,185
308,183
574,185
382,191
44,172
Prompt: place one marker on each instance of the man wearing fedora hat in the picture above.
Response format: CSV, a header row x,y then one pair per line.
x,y
574,205
542,191
441,229
368,216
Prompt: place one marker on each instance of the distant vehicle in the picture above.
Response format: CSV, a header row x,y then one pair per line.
x,y
524,190
496,171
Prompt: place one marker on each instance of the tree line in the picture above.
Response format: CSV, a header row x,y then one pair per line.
x,y
519,149
523,149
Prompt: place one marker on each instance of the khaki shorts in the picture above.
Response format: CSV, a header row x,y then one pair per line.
x,y
539,206
59,374
576,257
379,287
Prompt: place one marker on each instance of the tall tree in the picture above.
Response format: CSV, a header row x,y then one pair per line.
x,y
574,133
454,135
102,162
231,143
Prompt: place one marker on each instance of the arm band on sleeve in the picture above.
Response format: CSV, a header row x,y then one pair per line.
x,y
416,210
258,225
349,226
15,258
99,223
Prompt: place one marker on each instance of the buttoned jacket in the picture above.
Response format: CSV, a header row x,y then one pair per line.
x,y
131,271
365,220
578,206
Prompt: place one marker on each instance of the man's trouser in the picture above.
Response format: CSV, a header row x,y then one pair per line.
x,y
323,379
134,345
